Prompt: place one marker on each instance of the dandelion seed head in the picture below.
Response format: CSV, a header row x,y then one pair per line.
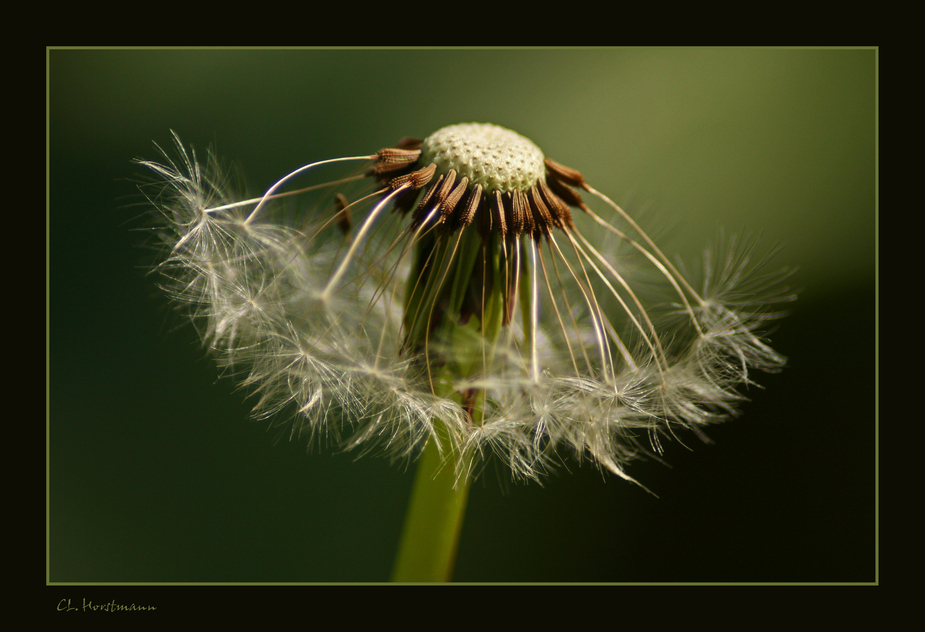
x,y
496,158
457,291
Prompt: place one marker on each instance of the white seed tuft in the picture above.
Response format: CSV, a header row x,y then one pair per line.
x,y
391,335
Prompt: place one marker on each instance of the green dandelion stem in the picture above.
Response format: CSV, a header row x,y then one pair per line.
x,y
430,538
448,272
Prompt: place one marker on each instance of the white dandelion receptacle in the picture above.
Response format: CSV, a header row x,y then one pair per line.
x,y
469,296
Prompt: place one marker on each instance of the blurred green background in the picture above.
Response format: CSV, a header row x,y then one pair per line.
x,y
155,472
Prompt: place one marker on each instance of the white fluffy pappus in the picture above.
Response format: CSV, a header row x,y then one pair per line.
x,y
481,311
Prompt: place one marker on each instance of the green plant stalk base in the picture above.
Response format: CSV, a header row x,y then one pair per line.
x,y
430,537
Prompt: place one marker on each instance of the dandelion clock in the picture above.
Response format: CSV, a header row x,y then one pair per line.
x,y
455,300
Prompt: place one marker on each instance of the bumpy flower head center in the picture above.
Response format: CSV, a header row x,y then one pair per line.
x,y
493,157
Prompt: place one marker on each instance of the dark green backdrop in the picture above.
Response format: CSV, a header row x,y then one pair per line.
x,y
155,473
